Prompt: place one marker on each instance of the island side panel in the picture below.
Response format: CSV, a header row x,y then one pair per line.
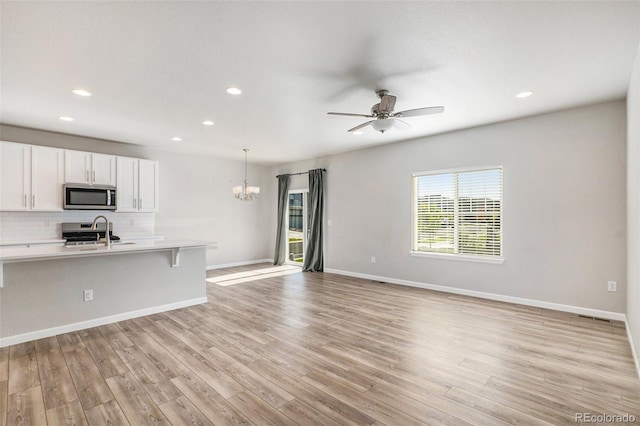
x,y
47,294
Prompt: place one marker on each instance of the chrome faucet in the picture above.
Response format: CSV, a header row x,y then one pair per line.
x,y
106,232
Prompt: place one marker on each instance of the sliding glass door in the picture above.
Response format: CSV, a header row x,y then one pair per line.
x,y
296,226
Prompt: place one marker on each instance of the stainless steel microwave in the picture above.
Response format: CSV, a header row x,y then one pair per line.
x,y
89,197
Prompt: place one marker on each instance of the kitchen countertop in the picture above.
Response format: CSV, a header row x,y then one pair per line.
x,y
30,242
9,244
42,252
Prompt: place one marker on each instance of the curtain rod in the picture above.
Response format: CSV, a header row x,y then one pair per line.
x,y
296,174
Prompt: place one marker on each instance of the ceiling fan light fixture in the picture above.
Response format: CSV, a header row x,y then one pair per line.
x,y
383,115
382,124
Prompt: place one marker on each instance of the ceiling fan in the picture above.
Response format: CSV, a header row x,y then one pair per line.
x,y
383,116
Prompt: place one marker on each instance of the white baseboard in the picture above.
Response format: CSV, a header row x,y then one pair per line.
x,y
231,265
617,316
634,354
54,331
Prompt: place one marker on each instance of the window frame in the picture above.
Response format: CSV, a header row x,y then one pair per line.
x,y
456,256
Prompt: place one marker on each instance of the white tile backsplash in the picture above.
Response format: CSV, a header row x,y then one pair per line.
x,y
35,226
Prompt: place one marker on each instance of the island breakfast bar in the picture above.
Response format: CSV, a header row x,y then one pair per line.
x,y
42,288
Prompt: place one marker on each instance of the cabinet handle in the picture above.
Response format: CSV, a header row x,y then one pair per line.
x,y
25,200
135,203
140,203
94,176
86,173
33,201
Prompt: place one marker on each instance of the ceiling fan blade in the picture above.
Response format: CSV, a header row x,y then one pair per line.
x,y
348,114
360,126
400,124
387,103
419,111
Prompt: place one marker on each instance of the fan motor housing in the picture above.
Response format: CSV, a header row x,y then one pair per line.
x,y
375,111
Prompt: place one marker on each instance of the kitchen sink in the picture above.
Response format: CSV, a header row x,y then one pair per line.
x,y
86,246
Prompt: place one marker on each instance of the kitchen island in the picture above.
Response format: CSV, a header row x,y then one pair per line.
x,y
42,287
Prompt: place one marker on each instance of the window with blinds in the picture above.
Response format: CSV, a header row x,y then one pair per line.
x,y
458,212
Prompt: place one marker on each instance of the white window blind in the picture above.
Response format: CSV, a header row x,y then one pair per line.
x,y
458,212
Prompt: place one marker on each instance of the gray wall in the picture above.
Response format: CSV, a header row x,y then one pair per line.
x,y
564,207
41,295
196,201
633,206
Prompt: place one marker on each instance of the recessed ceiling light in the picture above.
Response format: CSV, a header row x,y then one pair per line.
x,y
81,92
65,118
233,91
208,123
524,94
357,132
177,139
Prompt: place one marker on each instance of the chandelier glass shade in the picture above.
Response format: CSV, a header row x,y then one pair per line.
x,y
245,192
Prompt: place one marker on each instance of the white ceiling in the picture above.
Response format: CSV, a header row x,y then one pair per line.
x,y
158,69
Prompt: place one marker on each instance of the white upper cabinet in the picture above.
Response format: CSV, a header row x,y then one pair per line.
x,y
127,185
103,169
47,172
31,177
77,167
90,168
15,176
148,186
137,187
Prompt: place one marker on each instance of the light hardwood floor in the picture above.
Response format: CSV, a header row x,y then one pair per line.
x,y
324,349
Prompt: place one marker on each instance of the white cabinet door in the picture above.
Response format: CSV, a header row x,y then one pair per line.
x,y
127,184
103,169
15,176
47,171
77,167
88,168
148,186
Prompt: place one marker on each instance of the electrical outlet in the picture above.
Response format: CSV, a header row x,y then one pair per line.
x,y
373,259
87,295
612,286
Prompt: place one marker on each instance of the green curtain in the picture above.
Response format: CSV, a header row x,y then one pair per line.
x,y
281,234
313,258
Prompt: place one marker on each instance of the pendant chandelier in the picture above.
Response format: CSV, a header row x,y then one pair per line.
x,y
246,192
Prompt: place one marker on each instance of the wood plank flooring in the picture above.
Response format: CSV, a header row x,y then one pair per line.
x,y
323,349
